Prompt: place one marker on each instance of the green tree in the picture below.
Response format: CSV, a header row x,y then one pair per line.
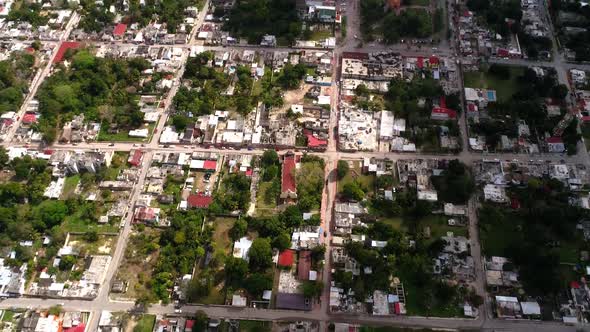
x,y
3,158
312,289
235,270
260,254
91,236
353,191
282,241
67,262
238,230
270,157
179,122
55,310
201,321
257,283
342,169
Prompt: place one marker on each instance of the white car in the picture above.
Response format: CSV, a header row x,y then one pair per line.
x,y
177,311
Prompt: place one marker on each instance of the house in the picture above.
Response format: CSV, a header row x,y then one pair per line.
x,y
29,118
135,158
203,165
531,309
288,188
199,201
188,326
119,30
286,258
63,48
291,301
495,193
555,144
147,214
241,248
508,307
443,114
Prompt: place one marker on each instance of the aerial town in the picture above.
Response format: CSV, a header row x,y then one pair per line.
x,y
294,165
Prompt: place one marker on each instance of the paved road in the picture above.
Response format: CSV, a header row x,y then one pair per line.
x,y
40,76
331,156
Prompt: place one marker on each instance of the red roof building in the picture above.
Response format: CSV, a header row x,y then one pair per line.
x,y
288,188
79,328
440,113
135,158
304,265
29,118
314,142
147,214
420,62
355,55
502,53
210,165
199,201
286,258
188,326
554,140
433,60
119,29
62,50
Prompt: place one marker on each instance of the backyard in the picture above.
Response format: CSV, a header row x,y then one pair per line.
x,y
213,273
355,173
123,135
104,244
505,88
144,324
141,255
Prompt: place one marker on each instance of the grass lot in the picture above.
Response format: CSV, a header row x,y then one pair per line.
x,y
145,323
104,246
138,264
73,223
413,307
257,88
318,35
483,80
355,173
70,186
396,222
255,326
569,251
221,237
495,240
123,135
262,207
118,164
7,316
222,245
439,226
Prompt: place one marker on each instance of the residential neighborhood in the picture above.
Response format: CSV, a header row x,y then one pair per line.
x,y
294,165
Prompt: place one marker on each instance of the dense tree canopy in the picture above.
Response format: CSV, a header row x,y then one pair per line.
x,y
253,19
14,74
98,87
